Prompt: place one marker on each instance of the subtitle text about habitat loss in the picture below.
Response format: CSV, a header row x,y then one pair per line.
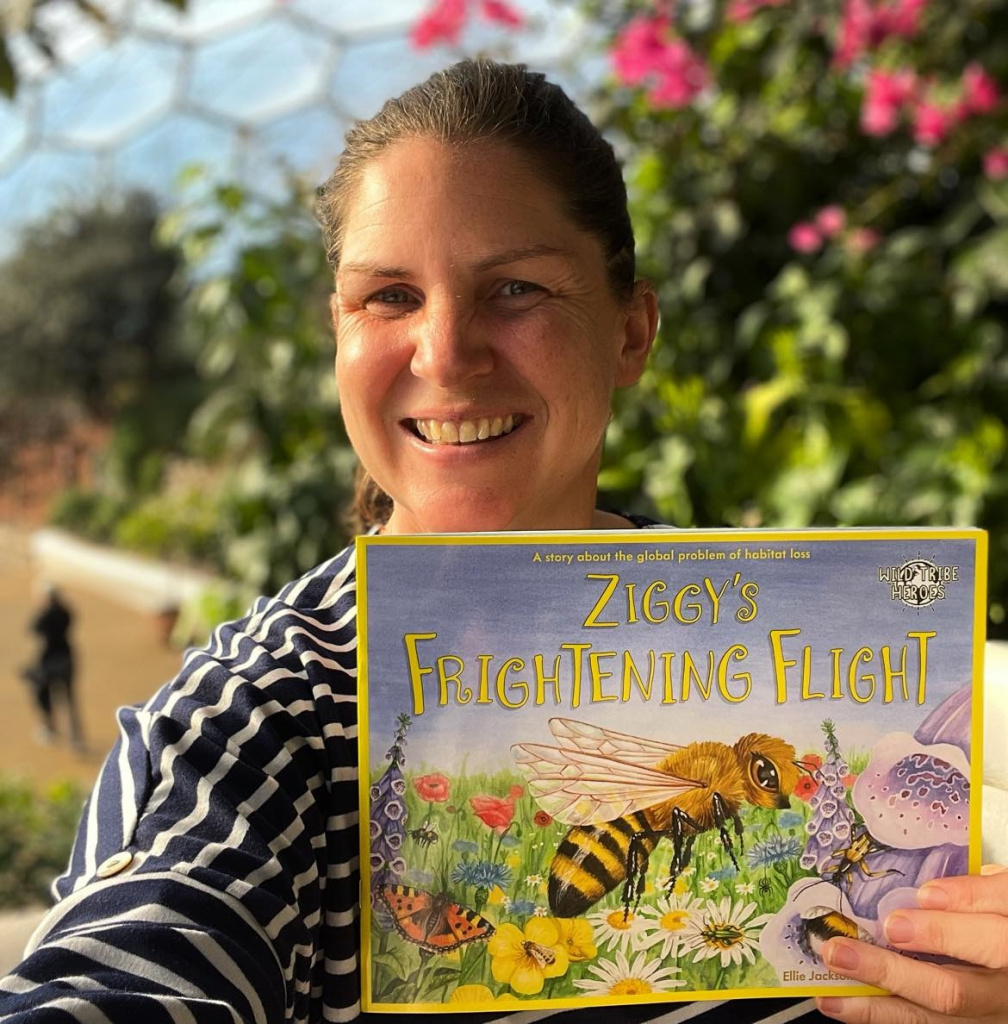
x,y
674,555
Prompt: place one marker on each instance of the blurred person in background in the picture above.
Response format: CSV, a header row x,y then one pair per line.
x,y
486,307
51,676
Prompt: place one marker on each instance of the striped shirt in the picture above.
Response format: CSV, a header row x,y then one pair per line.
x,y
215,873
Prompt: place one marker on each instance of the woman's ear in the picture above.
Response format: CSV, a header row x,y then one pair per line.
x,y
639,329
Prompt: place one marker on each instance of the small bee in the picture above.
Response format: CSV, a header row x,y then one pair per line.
x,y
622,794
853,858
821,923
425,835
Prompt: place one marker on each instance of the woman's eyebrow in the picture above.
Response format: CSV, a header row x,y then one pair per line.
x,y
526,252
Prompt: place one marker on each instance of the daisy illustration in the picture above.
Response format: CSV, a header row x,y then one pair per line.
x,y
709,884
726,930
615,929
667,923
621,978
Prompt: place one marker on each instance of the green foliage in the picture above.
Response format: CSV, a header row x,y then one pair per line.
x,y
270,419
87,308
36,835
853,385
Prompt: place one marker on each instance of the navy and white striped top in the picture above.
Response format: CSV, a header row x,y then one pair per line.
x,y
215,874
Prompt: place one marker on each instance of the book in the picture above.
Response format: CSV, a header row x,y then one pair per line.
x,y
656,765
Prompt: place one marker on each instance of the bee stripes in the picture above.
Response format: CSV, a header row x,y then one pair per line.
x,y
592,860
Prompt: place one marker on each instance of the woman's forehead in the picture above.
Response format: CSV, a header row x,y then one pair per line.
x,y
482,199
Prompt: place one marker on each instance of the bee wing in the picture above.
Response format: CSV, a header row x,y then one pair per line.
x,y
579,788
593,739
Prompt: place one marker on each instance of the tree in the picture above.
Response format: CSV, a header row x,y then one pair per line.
x,y
87,312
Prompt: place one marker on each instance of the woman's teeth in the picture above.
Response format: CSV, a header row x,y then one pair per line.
x,y
464,431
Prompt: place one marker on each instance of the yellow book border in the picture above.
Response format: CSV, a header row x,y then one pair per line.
x,y
644,536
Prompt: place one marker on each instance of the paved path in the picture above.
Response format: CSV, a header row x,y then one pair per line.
x,y
121,660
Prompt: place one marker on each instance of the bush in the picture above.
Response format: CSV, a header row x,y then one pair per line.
x,y
36,837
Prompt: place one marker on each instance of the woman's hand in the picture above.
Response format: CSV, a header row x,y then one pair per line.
x,y
966,918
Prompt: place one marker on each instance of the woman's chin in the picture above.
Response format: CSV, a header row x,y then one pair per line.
x,y
451,515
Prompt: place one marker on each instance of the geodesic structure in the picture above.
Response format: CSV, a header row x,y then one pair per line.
x,y
252,90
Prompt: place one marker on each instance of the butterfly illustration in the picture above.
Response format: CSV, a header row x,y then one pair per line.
x,y
434,922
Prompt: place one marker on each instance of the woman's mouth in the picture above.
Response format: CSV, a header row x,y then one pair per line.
x,y
465,431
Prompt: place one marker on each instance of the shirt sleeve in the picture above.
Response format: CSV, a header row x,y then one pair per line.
x,y
194,891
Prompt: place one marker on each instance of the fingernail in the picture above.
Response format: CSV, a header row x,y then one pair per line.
x,y
932,897
831,1006
899,928
993,869
839,954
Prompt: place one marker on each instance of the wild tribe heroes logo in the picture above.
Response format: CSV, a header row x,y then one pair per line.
x,y
918,582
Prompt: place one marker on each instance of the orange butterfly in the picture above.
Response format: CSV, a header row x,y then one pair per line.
x,y
434,922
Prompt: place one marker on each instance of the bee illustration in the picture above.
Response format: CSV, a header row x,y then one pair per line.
x,y
425,835
622,794
853,858
820,923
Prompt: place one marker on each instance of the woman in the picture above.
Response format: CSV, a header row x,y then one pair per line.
x,y
485,308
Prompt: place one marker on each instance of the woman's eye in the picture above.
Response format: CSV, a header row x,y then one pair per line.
x,y
514,288
390,297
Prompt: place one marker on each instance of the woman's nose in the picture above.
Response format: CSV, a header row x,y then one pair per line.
x,y
449,346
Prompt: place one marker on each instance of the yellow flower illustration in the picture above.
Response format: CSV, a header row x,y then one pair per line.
x,y
578,939
525,959
497,896
513,859
466,994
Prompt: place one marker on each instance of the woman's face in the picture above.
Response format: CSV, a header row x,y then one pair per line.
x,y
478,341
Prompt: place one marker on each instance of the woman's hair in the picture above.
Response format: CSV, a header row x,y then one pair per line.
x,y
475,101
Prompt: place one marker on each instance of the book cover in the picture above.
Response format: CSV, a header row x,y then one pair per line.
x,y
652,765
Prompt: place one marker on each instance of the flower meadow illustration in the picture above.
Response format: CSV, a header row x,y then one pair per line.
x,y
476,851
613,823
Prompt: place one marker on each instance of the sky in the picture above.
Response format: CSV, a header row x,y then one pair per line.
x,y
498,600
250,89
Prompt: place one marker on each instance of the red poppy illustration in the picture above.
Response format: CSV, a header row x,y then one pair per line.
x,y
542,819
811,760
495,811
849,779
805,787
516,792
433,788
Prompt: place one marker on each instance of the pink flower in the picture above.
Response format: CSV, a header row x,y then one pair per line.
x,y
995,163
932,123
885,96
804,237
862,240
501,12
644,52
830,220
980,91
493,811
443,22
864,26
639,49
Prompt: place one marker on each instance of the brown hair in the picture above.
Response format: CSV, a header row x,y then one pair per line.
x,y
481,100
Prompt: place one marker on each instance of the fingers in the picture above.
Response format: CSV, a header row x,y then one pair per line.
x,y
985,894
874,1010
952,991
974,938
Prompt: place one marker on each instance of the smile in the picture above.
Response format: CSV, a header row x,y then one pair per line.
x,y
465,431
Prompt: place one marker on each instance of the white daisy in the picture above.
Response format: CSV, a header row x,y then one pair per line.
x,y
687,871
709,884
724,929
615,929
620,978
667,922
533,880
540,912
745,888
